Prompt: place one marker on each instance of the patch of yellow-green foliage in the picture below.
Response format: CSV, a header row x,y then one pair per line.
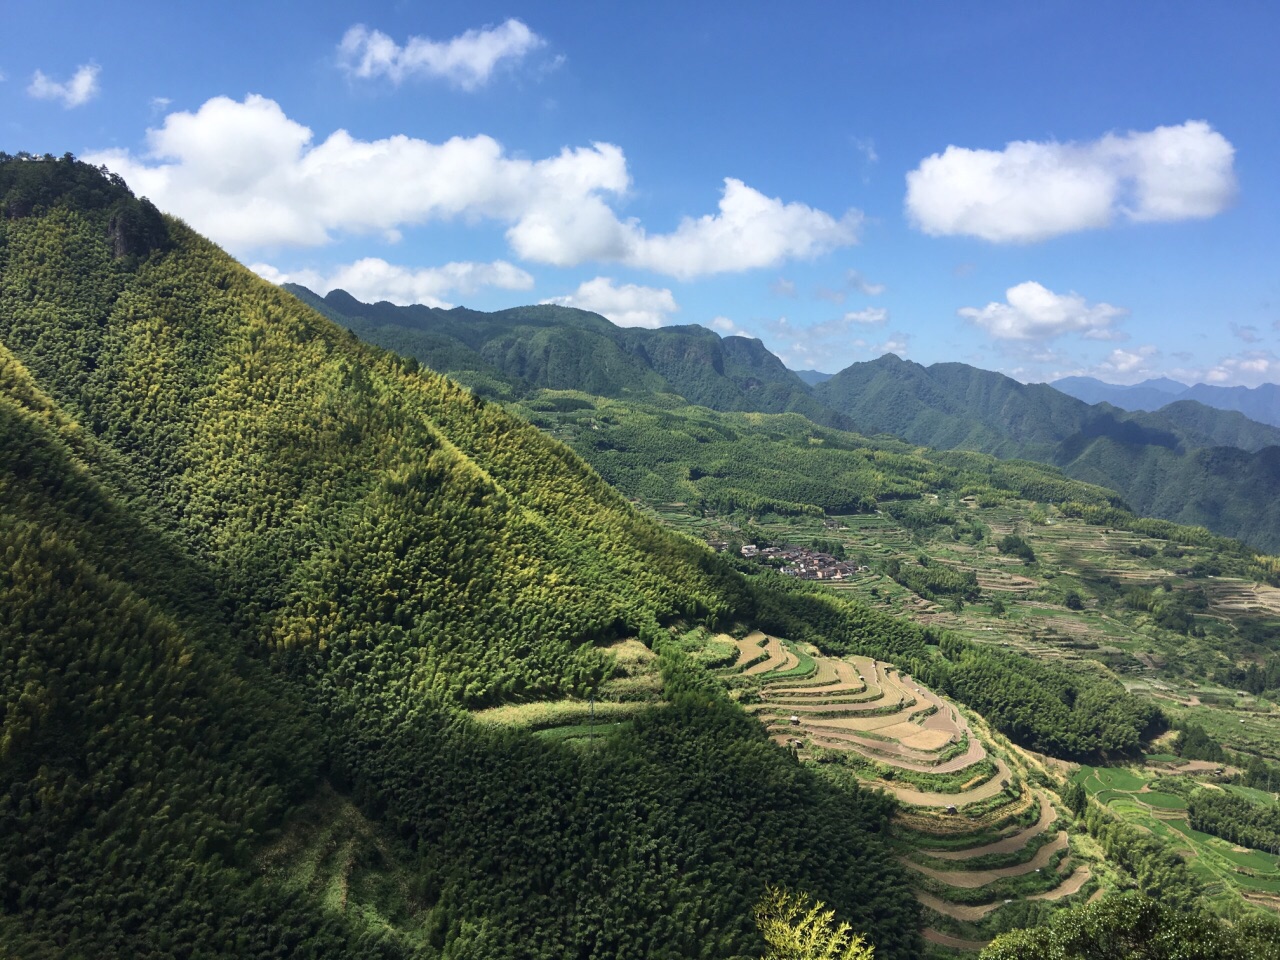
x,y
798,928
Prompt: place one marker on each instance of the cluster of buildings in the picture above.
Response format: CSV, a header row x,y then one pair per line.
x,y
805,564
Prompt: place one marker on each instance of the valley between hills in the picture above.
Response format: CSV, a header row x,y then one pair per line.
x,y
337,639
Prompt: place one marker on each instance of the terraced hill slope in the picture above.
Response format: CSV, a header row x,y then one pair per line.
x,y
977,822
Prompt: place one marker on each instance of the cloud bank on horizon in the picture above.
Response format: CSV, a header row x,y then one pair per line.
x,y
373,279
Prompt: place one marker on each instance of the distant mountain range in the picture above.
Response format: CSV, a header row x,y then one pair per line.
x,y
1261,403
1188,462
547,347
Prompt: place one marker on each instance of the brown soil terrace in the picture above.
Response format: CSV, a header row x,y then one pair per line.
x,y
858,705
972,879
955,943
1009,844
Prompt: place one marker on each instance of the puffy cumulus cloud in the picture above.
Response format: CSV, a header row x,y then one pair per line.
x,y
628,305
467,61
751,230
1033,312
79,90
1031,191
727,328
832,344
372,279
1246,369
1128,364
250,177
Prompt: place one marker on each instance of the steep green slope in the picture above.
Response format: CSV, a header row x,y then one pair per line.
x,y
140,761
950,405
1224,489
296,557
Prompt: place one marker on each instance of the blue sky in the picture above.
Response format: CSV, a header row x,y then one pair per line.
x,y
1044,189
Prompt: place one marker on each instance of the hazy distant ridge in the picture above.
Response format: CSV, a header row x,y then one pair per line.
x,y
1261,403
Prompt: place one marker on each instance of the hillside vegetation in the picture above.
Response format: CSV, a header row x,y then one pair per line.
x,y
559,348
246,554
301,642
1189,463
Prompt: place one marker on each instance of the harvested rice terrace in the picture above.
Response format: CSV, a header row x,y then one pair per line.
x,y
972,831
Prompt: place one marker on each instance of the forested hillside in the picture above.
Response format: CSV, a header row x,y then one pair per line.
x,y
559,348
246,554
266,585
1171,464
1166,464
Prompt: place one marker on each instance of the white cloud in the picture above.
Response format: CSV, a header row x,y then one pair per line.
x,y
372,279
1127,363
751,230
466,61
782,287
1033,312
832,344
1032,191
1247,369
250,177
898,343
628,305
870,317
727,328
79,90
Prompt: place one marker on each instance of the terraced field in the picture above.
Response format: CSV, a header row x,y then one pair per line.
x,y
974,831
1227,870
